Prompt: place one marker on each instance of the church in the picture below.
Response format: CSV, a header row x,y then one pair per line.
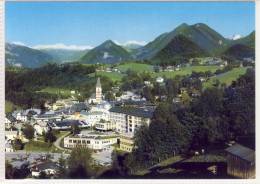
x,y
97,97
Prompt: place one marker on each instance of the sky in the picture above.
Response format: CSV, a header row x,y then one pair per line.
x,y
81,25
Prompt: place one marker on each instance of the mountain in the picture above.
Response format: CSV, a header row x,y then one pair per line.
x,y
247,40
179,47
22,56
108,53
132,46
65,55
201,34
240,51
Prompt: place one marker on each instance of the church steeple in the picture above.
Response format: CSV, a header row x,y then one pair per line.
x,y
98,91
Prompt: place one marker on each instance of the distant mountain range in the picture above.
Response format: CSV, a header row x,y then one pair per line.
x,y
185,41
65,55
22,56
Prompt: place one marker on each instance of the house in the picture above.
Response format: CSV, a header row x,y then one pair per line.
x,y
8,147
40,127
50,168
11,135
240,161
20,115
128,119
9,121
159,80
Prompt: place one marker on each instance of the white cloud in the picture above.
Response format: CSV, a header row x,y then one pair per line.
x,y
236,37
63,46
136,42
18,43
142,43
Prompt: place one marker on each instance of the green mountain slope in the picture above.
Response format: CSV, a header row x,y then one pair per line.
x,y
247,40
240,51
201,34
22,56
179,47
108,52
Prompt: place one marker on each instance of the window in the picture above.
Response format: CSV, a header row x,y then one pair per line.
x,y
70,141
74,141
88,142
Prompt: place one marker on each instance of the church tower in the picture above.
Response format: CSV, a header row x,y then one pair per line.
x,y
98,91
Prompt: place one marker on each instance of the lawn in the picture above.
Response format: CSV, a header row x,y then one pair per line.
x,y
53,90
9,106
227,77
186,71
39,146
114,76
138,67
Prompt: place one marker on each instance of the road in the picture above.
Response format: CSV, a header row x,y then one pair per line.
x,y
57,142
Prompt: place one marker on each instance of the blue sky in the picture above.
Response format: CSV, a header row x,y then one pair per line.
x,y
91,23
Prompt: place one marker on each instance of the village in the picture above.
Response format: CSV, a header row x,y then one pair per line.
x,y
102,126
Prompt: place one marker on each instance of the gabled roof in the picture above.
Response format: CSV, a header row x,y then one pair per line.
x,y
242,152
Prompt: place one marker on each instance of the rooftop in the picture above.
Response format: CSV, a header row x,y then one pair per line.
x,y
242,152
145,112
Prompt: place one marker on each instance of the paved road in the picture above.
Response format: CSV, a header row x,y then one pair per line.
x,y
57,142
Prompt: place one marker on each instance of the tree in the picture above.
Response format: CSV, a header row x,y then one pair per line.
x,y
17,144
62,171
50,136
9,170
147,93
110,96
28,131
75,129
79,163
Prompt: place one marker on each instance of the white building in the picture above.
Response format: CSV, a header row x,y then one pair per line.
x,y
20,116
93,117
128,119
159,80
50,168
95,142
8,147
129,95
40,127
103,125
11,135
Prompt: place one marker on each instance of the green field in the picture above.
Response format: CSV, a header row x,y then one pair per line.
x,y
10,107
57,91
186,71
39,146
227,77
114,76
138,67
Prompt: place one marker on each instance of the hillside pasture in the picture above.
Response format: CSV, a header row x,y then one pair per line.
x,y
186,71
137,67
227,77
